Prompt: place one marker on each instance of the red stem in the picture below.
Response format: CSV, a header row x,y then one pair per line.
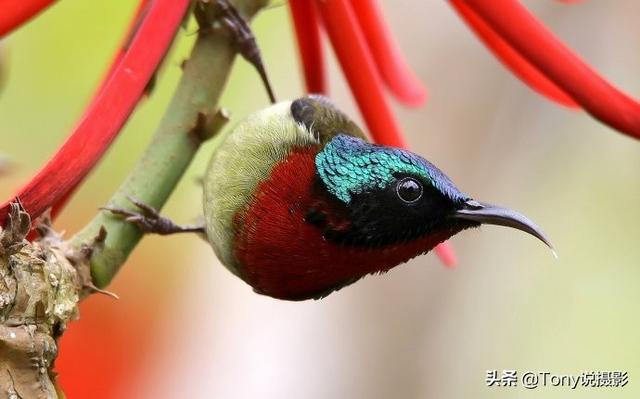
x,y
395,72
14,13
107,113
528,73
306,22
542,49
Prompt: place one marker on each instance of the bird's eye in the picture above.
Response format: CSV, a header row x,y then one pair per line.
x,y
409,190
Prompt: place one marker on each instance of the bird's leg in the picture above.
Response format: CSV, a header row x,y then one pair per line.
x,y
150,221
244,39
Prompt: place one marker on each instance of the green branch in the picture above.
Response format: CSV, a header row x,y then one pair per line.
x,y
189,119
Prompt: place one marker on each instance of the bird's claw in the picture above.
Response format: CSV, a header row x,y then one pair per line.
x,y
149,219
224,13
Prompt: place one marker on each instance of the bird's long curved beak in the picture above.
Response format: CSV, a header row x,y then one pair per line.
x,y
490,214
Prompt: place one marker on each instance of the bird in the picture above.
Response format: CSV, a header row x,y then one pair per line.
x,y
299,204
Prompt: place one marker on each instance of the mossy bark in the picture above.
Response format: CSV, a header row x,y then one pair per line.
x,y
40,289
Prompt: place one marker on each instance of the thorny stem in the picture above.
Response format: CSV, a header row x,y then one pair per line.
x,y
188,121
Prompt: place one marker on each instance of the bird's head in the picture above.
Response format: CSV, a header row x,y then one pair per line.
x,y
389,196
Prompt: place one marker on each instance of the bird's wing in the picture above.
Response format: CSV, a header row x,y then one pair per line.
x,y
323,119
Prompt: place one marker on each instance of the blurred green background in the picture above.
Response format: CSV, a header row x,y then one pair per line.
x,y
185,327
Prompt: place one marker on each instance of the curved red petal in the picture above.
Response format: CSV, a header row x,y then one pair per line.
x,y
520,67
107,113
14,13
395,72
542,49
359,68
306,22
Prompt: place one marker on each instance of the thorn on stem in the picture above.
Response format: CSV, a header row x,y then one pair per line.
x,y
208,125
93,288
101,237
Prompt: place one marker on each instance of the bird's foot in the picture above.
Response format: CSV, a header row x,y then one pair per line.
x,y
216,12
150,221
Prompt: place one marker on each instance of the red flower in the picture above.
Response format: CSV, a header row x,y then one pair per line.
x,y
516,37
511,57
534,48
369,59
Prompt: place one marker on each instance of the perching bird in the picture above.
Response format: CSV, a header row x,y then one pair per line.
x,y
298,204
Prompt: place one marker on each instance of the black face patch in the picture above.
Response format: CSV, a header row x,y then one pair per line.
x,y
408,208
